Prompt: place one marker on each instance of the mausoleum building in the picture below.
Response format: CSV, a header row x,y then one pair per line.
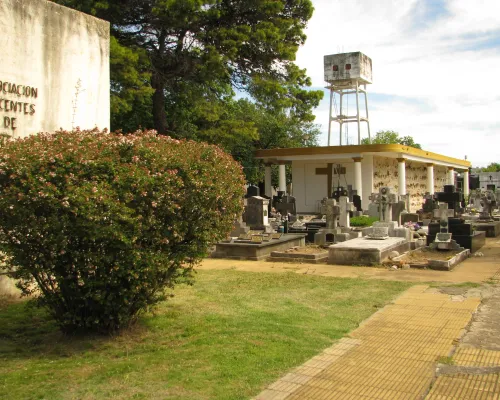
x,y
317,171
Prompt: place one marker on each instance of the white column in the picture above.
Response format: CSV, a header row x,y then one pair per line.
x,y
401,176
430,178
268,189
451,176
282,176
466,184
358,183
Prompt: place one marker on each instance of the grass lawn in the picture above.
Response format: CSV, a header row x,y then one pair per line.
x,y
226,337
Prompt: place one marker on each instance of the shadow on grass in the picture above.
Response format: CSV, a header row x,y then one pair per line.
x,y
27,331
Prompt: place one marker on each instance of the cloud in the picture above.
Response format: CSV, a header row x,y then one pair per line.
x,y
435,66
424,14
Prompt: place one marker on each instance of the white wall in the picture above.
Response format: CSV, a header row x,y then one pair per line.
x,y
309,189
484,179
64,55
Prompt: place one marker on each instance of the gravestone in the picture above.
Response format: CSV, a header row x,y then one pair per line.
x,y
475,199
393,230
398,208
443,239
379,233
384,200
326,235
373,210
285,205
356,200
239,228
442,214
462,232
346,208
430,204
410,217
331,210
339,192
405,199
256,216
450,196
55,68
489,203
252,191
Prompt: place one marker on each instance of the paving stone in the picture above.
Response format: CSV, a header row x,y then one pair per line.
x,y
392,355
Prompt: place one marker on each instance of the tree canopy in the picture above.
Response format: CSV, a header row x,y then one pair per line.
x,y
391,137
209,47
178,66
492,167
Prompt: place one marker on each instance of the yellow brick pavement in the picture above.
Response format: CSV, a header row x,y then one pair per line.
x,y
392,355
466,387
473,357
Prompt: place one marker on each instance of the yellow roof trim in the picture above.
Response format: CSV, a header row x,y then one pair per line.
x,y
366,148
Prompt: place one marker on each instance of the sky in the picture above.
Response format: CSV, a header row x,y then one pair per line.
x,y
436,70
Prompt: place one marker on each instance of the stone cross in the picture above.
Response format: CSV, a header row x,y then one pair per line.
x,y
405,198
328,171
443,213
330,208
384,199
345,208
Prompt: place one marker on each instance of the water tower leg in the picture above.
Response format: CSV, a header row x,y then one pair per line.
x,y
367,116
357,110
341,112
330,117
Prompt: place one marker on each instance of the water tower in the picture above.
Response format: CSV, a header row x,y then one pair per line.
x,y
347,74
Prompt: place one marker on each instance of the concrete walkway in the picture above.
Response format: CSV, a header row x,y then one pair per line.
x,y
474,369
430,343
393,355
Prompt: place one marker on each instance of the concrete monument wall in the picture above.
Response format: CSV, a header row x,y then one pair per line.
x,y
54,71
440,178
386,174
310,188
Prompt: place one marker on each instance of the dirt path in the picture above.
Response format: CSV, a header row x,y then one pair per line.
x,y
474,269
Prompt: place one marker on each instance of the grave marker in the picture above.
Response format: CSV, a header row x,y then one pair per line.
x,y
384,200
345,207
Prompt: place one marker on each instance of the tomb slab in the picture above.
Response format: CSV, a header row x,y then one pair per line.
x,y
492,228
257,251
362,251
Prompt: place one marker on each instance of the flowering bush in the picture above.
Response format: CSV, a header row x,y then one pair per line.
x,y
412,225
98,226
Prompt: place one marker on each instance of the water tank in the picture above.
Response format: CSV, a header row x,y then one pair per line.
x,y
348,66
